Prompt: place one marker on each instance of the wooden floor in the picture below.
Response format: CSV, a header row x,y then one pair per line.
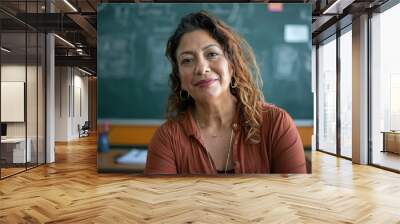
x,y
387,159
5,172
10,171
71,191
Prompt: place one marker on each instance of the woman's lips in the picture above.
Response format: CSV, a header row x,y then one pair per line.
x,y
205,82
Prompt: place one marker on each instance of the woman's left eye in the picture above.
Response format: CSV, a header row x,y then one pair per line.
x,y
212,55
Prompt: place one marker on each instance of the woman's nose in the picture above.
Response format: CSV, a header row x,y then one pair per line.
x,y
202,67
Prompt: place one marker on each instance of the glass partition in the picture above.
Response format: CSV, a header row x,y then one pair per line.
x,y
13,108
31,100
22,90
41,109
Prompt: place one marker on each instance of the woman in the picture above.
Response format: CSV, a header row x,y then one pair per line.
x,y
218,121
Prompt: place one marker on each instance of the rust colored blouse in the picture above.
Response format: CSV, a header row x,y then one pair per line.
x,y
177,148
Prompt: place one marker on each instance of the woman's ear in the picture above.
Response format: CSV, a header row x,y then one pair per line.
x,y
175,81
178,79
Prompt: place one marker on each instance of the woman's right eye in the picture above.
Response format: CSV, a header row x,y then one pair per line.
x,y
186,61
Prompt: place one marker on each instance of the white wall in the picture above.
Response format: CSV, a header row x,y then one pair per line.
x,y
81,103
12,73
71,93
34,124
61,103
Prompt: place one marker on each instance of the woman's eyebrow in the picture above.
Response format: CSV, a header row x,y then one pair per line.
x,y
185,52
210,45
204,48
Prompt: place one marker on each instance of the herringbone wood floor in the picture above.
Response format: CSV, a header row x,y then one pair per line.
x,y
71,191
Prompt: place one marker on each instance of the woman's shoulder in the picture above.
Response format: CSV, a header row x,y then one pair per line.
x,y
268,108
170,126
274,114
165,133
172,132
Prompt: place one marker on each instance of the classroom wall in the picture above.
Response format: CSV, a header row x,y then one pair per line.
x,y
71,102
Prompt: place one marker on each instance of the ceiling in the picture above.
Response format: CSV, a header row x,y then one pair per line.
x,y
78,27
77,23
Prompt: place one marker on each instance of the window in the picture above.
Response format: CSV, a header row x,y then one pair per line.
x,y
385,88
327,96
346,75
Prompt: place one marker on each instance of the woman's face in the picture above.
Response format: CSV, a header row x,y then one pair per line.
x,y
204,71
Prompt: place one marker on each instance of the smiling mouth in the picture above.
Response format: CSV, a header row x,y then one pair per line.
x,y
205,82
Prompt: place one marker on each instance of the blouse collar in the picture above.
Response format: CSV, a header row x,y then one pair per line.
x,y
190,127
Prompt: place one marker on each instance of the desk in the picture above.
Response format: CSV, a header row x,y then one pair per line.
x,y
16,147
106,162
391,141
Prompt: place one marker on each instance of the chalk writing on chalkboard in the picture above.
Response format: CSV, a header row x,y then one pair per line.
x,y
158,76
286,63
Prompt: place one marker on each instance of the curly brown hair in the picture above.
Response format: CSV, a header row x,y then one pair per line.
x,y
246,81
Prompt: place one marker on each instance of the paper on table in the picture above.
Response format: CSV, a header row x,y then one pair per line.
x,y
134,156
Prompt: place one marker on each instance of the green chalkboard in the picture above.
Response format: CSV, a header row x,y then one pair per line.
x,y
133,71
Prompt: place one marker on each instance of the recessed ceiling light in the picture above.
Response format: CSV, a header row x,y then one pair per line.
x,y
337,7
5,50
70,5
84,71
64,40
